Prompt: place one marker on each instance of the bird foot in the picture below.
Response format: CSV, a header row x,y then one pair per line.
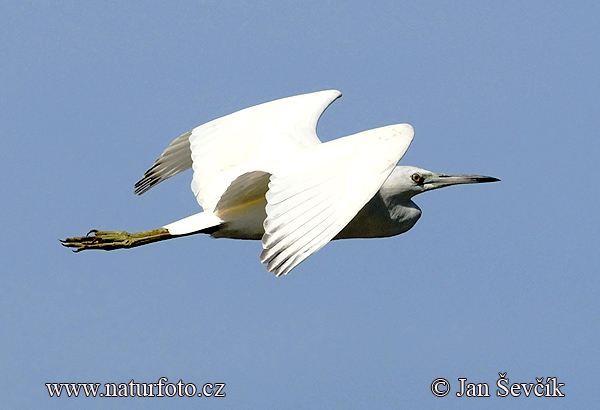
x,y
107,240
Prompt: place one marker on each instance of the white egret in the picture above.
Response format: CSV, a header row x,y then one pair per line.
x,y
262,173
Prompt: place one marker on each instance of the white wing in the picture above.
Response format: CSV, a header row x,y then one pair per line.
x,y
223,148
249,139
314,194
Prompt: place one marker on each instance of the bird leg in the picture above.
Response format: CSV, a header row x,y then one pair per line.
x,y
109,240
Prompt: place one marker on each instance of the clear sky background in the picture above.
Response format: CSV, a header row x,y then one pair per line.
x,y
494,278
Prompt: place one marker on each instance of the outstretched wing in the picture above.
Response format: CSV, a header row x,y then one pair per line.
x,y
229,146
313,195
250,139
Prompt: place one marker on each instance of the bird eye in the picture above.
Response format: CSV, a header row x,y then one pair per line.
x,y
418,178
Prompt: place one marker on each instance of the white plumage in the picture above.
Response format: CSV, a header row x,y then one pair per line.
x,y
262,173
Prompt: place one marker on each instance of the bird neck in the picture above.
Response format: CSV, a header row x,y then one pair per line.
x,y
403,211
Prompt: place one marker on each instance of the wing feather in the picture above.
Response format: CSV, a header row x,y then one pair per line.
x,y
316,193
225,148
250,139
176,158
299,223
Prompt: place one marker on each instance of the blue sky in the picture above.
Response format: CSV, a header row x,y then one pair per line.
x,y
493,278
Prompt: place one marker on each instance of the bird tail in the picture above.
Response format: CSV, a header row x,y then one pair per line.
x,y
200,222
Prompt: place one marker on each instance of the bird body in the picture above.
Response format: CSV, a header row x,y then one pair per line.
x,y
261,173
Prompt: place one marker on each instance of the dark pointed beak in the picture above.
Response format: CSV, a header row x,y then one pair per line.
x,y
441,180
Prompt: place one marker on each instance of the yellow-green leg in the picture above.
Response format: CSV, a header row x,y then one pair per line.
x,y
109,240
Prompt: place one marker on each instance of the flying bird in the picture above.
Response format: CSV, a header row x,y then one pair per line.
x,y
262,173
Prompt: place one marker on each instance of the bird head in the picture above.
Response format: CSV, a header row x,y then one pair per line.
x,y
407,181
